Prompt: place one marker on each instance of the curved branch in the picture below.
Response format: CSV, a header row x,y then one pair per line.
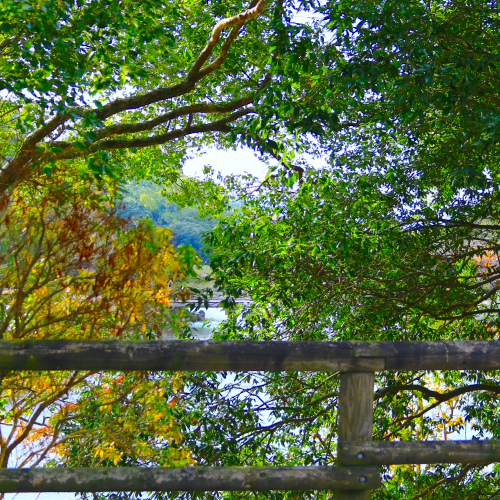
x,y
222,125
74,380
255,8
18,169
441,397
201,108
194,74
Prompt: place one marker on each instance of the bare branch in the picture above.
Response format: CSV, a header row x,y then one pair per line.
x,y
256,7
193,76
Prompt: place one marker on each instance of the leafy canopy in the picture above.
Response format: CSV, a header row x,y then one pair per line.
x,y
130,87
397,238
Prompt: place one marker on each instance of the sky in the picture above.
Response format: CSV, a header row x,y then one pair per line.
x,y
227,162
241,161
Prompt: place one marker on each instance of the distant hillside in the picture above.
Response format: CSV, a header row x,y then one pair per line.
x,y
144,200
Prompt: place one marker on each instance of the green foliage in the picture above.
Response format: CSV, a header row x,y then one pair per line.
x,y
146,200
131,88
397,239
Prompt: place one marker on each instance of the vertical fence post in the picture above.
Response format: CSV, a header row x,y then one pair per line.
x,y
355,417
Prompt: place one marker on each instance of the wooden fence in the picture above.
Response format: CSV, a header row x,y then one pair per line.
x,y
359,457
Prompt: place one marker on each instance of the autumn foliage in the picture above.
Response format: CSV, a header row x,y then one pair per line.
x,y
70,268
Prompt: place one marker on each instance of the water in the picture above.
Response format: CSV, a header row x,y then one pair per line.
x,y
213,317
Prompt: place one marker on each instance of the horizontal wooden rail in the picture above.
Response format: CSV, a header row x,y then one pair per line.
x,y
418,452
247,356
188,479
181,355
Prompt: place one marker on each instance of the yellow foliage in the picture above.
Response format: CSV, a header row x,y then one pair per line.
x,y
72,269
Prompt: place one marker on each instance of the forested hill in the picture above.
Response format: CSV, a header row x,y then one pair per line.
x,y
144,200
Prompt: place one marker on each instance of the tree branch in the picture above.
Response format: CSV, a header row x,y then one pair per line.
x,y
201,108
193,75
222,125
445,480
18,168
196,72
441,397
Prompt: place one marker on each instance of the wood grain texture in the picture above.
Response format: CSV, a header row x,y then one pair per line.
x,y
422,452
248,356
182,355
433,355
355,417
188,479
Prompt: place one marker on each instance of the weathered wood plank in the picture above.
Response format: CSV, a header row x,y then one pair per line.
x,y
182,355
433,355
421,452
188,479
355,418
246,356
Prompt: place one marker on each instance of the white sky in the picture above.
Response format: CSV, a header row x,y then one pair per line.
x,y
227,162
241,161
